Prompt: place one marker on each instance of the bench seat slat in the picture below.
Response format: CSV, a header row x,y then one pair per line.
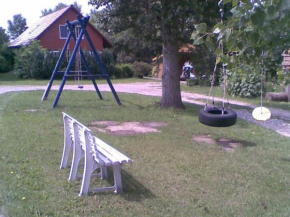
x,y
104,160
111,152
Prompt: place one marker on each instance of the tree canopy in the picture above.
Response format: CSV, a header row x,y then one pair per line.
x,y
256,31
59,6
169,22
4,38
17,26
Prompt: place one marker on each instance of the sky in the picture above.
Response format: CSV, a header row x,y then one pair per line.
x,y
31,9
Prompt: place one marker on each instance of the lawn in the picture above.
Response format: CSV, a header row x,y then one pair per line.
x,y
172,174
9,79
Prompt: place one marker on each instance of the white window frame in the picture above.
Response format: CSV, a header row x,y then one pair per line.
x,y
60,36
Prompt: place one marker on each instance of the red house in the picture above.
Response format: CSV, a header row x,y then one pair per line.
x,y
51,31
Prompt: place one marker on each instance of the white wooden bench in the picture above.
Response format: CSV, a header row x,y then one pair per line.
x,y
97,154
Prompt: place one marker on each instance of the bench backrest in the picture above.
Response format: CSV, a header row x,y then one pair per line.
x,y
69,125
93,147
81,135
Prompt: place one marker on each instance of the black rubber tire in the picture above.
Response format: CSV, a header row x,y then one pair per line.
x,y
213,117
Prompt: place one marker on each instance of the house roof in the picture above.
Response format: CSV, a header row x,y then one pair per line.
x,y
33,32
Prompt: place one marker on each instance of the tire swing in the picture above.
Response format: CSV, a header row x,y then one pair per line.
x,y
261,113
216,116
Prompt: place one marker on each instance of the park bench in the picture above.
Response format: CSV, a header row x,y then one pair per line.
x,y
97,154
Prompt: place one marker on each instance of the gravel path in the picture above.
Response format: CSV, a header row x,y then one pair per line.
x,y
280,120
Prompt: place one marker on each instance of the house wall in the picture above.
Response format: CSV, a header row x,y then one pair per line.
x,y
50,39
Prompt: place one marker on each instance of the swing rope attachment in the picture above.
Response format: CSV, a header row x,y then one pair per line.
x,y
214,116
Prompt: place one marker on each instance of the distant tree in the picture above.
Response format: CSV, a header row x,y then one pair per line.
x,y
6,58
59,6
4,38
128,46
6,55
17,26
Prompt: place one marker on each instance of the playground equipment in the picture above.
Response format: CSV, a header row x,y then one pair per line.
x,y
215,116
77,34
261,113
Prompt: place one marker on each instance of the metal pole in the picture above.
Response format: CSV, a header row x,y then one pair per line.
x,y
83,23
55,71
68,67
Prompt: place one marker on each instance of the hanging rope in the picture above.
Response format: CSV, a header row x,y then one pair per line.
x,y
211,86
211,91
67,49
214,116
78,62
262,73
261,113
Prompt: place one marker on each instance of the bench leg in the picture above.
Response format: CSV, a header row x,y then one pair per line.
x,y
104,172
117,178
88,170
77,155
66,148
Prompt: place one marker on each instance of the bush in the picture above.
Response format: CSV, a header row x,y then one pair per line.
x,y
36,62
141,69
108,59
29,61
126,70
203,81
247,86
6,58
191,82
118,72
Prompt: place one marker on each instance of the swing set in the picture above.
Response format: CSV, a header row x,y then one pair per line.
x,y
76,31
225,117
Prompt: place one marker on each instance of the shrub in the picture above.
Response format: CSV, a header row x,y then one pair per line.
x,y
126,70
122,57
92,62
29,61
191,82
141,69
6,58
247,86
118,72
108,59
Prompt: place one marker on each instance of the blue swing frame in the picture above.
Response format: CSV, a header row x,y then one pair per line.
x,y
71,26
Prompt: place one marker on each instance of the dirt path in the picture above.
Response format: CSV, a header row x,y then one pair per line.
x,y
280,120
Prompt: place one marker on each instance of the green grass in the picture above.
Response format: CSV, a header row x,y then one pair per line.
x,y
172,175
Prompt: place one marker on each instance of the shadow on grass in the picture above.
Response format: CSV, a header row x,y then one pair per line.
x,y
286,159
235,143
133,190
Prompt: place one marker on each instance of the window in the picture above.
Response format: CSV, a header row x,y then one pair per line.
x,y
63,31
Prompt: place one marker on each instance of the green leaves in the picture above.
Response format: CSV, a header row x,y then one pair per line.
x,y
201,28
258,18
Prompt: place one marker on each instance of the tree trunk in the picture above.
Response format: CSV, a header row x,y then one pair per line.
x,y
279,97
171,96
